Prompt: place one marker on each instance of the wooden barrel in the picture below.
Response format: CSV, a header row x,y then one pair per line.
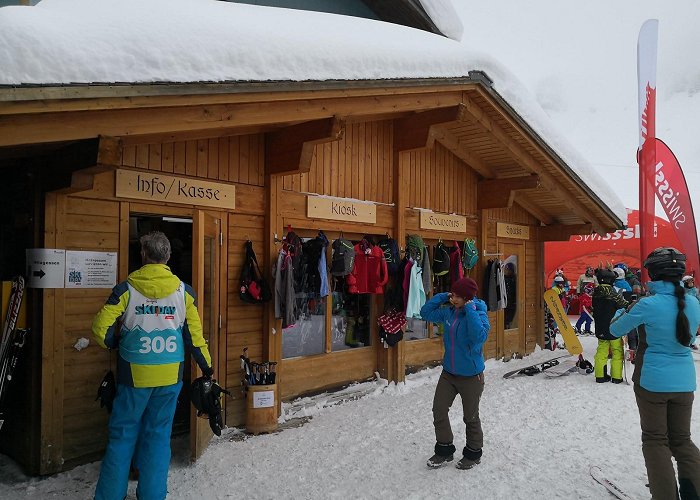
x,y
261,408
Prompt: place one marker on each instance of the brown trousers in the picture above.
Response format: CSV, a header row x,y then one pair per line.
x,y
470,390
665,420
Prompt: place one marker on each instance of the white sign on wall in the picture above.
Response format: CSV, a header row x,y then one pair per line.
x,y
264,399
45,267
91,269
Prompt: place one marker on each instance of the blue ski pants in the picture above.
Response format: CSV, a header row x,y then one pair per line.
x,y
140,424
585,318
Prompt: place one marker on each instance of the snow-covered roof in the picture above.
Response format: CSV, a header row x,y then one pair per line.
x,y
180,41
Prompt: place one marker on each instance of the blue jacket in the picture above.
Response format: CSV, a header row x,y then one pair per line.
x,y
662,364
466,330
622,285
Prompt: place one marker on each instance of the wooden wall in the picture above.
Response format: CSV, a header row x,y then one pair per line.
x,y
357,166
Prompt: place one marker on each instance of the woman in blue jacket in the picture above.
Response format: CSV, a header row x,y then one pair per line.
x,y
466,329
664,375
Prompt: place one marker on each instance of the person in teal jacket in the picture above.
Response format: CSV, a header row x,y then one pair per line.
x,y
158,320
466,327
664,375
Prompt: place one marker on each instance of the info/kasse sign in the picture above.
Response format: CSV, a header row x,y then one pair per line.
x,y
517,231
154,186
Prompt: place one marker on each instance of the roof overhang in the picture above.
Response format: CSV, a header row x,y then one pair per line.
x,y
490,136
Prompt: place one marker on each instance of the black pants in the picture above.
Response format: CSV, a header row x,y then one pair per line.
x,y
470,390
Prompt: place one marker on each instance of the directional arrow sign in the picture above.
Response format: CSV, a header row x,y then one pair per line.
x,y
45,267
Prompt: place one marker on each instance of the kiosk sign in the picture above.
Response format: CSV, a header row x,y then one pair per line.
x,y
341,209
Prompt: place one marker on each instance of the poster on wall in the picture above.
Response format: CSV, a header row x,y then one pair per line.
x,y
91,269
45,267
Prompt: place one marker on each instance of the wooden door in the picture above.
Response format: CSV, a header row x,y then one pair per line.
x,y
206,257
511,320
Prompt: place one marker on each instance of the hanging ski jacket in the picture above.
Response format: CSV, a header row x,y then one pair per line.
x,y
456,271
606,300
427,274
416,293
466,330
159,320
406,282
285,303
370,274
662,364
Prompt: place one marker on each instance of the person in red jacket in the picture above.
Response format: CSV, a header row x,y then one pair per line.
x,y
370,273
585,301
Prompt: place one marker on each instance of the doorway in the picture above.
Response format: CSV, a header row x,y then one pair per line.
x,y
179,232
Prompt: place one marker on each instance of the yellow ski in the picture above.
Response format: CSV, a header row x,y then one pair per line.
x,y
573,345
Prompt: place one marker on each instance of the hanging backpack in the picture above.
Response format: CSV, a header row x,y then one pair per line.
x,y
391,253
470,254
441,259
254,288
415,247
343,258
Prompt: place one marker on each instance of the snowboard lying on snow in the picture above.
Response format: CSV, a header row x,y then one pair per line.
x,y
536,368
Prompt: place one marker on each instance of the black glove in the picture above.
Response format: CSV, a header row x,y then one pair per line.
x,y
107,391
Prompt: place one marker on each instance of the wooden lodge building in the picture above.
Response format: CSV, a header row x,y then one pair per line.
x,y
89,167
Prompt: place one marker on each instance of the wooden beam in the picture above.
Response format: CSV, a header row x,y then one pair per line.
x,y
52,127
109,151
413,132
448,140
500,193
289,150
561,232
533,209
520,154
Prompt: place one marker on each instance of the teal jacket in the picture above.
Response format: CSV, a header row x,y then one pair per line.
x,y
466,330
662,364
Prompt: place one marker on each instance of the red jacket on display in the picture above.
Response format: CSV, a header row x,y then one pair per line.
x,y
370,274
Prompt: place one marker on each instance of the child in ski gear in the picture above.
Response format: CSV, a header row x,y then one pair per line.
x,y
560,287
159,319
587,277
620,281
466,329
664,375
585,301
606,300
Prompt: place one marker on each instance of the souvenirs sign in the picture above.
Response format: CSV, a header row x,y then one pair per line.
x,y
443,222
516,231
165,188
340,209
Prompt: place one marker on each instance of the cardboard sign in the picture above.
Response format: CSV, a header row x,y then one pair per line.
x,y
340,209
516,231
157,187
443,222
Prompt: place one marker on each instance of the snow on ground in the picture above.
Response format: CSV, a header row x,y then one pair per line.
x,y
541,437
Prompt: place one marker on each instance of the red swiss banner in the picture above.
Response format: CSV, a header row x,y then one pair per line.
x,y
672,192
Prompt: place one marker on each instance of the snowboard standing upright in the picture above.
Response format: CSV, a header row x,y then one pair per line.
x,y
556,309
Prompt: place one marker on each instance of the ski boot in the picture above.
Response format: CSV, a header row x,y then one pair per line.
x,y
588,332
604,378
444,453
469,459
616,380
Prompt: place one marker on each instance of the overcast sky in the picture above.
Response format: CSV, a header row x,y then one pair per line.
x,y
579,60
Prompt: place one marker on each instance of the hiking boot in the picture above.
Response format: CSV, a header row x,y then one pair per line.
x,y
444,453
469,459
466,463
437,461
603,379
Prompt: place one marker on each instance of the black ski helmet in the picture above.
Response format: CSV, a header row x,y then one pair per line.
x,y
665,263
606,276
205,398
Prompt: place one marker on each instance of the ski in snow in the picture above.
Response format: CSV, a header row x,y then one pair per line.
x,y
615,490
